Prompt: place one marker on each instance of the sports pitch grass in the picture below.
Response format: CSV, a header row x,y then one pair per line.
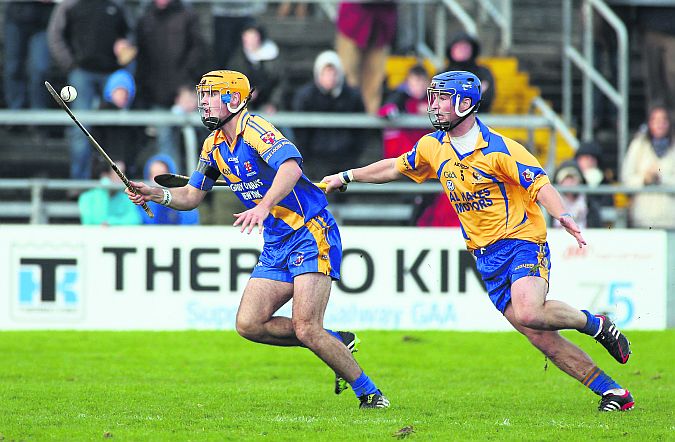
x,y
138,386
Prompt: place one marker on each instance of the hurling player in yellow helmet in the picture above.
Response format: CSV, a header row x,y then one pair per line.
x,y
302,251
494,185
224,83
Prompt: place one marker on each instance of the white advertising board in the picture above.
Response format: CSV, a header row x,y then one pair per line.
x,y
174,278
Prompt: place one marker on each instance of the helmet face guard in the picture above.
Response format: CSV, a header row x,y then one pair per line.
x,y
457,85
225,84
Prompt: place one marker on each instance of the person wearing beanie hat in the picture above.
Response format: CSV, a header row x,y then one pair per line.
x,y
462,52
120,89
325,148
122,142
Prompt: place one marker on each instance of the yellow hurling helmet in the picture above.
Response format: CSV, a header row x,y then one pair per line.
x,y
226,83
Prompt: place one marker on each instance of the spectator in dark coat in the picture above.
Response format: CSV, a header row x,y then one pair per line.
x,y
462,53
86,38
655,27
171,53
27,59
327,149
258,59
124,142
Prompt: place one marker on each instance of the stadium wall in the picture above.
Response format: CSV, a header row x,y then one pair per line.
x,y
174,278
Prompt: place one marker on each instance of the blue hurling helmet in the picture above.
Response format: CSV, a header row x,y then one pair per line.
x,y
459,85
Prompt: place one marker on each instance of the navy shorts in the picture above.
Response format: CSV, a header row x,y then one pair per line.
x,y
316,247
504,262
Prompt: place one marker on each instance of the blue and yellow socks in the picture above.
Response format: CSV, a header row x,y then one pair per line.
x,y
599,382
592,326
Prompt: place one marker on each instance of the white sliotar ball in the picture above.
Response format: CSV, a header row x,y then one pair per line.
x,y
68,93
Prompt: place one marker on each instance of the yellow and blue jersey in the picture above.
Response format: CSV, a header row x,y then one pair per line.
x,y
249,166
493,189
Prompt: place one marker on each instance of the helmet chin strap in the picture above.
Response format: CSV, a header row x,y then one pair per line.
x,y
213,123
462,115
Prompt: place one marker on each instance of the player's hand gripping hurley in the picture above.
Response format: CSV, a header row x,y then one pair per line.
x,y
94,143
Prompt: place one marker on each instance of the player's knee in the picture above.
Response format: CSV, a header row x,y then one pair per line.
x,y
306,331
249,329
529,318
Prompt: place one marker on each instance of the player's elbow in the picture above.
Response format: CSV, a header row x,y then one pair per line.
x,y
191,199
292,169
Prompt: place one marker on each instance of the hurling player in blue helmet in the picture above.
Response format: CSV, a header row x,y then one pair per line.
x,y
494,185
302,249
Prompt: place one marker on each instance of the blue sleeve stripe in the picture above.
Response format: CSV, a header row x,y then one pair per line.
x,y
256,126
411,156
528,174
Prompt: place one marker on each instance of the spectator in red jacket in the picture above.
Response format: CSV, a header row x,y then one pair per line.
x,y
365,32
409,98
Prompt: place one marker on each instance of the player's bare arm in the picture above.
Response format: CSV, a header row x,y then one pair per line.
x,y
287,176
179,198
382,171
549,197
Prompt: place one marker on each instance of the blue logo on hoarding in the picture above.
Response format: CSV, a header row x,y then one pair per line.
x,y
48,280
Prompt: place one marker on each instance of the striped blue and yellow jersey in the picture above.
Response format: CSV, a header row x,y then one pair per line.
x,y
249,166
493,188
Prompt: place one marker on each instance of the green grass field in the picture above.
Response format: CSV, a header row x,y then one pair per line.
x,y
216,386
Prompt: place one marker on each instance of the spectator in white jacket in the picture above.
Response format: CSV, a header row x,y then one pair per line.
x,y
651,161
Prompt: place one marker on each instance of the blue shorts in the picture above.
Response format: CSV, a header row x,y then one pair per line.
x,y
316,247
502,263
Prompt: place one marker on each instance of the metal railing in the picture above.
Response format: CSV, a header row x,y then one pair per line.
x,y
591,76
188,122
40,211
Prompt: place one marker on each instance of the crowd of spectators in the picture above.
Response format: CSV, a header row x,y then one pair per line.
x,y
150,58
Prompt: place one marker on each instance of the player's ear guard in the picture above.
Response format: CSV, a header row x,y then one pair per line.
x,y
226,98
